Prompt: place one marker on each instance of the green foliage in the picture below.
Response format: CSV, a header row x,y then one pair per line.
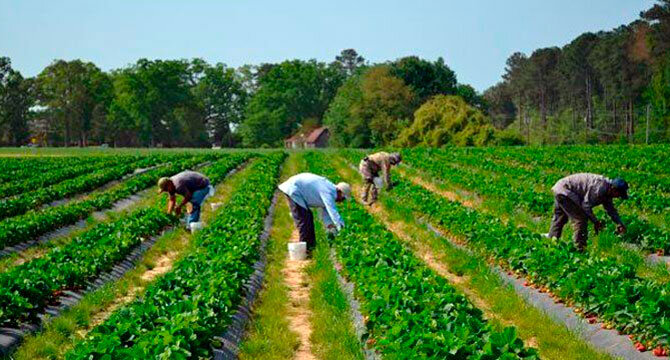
x,y
16,98
71,91
28,287
288,94
412,311
425,78
447,120
370,109
206,284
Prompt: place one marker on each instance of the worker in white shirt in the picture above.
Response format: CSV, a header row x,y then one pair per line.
x,y
305,191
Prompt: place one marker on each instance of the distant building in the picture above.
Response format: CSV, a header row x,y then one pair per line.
x,y
296,141
317,138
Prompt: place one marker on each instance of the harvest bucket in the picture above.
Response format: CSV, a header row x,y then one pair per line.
x,y
297,251
379,183
196,226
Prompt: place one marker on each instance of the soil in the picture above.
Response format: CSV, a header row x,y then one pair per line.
x,y
449,195
163,265
295,278
428,257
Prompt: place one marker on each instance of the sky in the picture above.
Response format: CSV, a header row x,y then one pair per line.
x,y
475,37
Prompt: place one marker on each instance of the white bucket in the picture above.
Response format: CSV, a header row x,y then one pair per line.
x,y
196,226
379,183
297,250
215,205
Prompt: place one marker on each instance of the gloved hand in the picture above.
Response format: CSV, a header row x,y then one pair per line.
x,y
598,226
621,229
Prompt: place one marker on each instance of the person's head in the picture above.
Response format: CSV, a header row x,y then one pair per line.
x,y
343,191
619,189
165,185
395,158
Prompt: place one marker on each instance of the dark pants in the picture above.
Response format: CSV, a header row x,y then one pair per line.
x,y
304,221
369,170
565,209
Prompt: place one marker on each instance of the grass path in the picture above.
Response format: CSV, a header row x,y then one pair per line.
x,y
301,312
473,277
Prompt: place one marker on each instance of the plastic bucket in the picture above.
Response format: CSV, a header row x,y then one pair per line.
x,y
379,183
196,226
297,251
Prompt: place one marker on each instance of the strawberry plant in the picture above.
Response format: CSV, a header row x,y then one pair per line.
x,y
27,288
412,311
181,312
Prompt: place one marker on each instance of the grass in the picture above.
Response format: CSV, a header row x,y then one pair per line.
x,y
333,336
503,305
61,333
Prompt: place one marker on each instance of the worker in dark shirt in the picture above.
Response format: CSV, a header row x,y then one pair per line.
x,y
194,187
576,195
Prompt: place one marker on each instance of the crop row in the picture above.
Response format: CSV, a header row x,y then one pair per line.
x,y
412,311
17,169
20,204
27,288
43,178
602,287
182,311
35,223
515,188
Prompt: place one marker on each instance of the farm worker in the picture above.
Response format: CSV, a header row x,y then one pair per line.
x,y
193,186
574,198
370,167
305,191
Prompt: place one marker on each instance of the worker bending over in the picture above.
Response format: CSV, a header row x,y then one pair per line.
x,y
193,186
371,166
576,195
305,191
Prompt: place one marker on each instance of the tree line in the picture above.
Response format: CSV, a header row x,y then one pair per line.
x,y
602,87
610,86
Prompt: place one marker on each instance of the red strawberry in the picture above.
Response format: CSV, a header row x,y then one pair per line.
x,y
659,351
592,320
640,347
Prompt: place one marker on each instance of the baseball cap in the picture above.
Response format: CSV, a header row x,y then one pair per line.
x,y
622,186
161,184
345,189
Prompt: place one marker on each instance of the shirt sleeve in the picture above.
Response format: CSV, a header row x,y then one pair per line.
x,y
612,211
587,206
331,211
386,170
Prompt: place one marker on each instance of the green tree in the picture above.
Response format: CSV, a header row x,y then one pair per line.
x,y
221,94
424,77
71,91
148,93
288,94
447,119
16,98
350,61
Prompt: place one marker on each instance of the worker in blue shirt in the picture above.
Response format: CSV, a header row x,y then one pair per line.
x,y
305,191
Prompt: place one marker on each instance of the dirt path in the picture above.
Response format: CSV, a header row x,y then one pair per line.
x,y
449,195
163,265
295,278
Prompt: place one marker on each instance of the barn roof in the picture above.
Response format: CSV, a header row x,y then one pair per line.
x,y
314,135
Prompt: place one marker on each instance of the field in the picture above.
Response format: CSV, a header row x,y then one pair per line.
x,y
449,264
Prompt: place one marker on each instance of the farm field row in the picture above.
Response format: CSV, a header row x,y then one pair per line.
x,y
423,262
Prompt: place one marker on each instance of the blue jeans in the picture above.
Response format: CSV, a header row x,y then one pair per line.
x,y
196,200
